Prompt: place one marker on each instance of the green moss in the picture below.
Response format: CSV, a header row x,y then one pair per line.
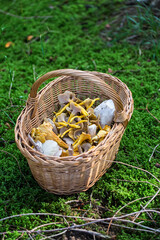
x,y
72,39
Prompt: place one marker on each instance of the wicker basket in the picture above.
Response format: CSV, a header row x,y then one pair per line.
x,y
73,174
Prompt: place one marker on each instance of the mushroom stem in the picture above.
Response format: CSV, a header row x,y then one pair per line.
x,y
83,111
81,121
68,130
71,120
93,101
62,110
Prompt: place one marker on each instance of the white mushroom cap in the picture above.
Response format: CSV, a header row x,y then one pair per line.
x,y
92,129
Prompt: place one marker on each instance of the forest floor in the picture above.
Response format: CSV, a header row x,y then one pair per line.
x,y
104,36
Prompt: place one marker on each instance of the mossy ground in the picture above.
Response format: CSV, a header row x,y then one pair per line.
x,y
71,38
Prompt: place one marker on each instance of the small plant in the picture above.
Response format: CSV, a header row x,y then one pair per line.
x,y
138,25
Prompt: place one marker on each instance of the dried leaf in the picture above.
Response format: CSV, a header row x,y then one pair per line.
x,y
8,125
110,70
8,44
29,38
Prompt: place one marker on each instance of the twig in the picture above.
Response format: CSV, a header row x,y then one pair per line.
x,y
29,235
17,163
149,215
153,152
47,224
149,112
152,114
90,233
147,204
73,201
55,235
48,231
84,218
124,226
45,214
152,148
126,206
138,224
20,236
121,218
21,17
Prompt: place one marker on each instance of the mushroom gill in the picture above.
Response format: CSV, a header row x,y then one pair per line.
x,y
66,97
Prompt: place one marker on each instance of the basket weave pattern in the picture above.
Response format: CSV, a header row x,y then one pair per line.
x,y
68,175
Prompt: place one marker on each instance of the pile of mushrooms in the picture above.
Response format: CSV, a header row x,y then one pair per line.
x,y
75,128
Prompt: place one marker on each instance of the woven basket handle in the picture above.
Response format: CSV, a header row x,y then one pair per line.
x,y
120,115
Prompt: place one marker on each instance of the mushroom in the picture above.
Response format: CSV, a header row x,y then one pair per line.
x,y
68,140
52,123
62,110
68,130
37,145
97,122
62,130
62,117
107,128
51,148
66,97
84,136
66,124
78,118
64,153
88,102
69,152
37,135
83,128
100,135
92,116
75,107
106,112
92,130
71,134
86,146
45,129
